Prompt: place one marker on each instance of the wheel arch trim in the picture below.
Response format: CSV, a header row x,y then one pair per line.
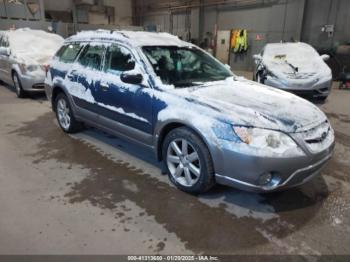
x,y
57,88
164,127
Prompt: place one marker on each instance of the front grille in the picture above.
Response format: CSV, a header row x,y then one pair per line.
x,y
325,89
318,138
299,75
38,86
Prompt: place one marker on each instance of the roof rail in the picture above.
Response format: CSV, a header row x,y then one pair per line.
x,y
118,32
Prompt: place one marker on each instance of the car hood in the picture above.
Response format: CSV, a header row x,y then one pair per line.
x,y
243,102
308,71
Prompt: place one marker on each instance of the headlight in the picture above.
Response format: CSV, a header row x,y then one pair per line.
x,y
29,68
32,68
268,142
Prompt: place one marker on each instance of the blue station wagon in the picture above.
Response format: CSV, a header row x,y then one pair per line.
x,y
206,124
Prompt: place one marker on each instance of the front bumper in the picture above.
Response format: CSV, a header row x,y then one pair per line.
x,y
318,89
32,83
243,171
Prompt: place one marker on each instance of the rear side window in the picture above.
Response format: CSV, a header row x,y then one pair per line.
x,y
68,53
118,59
92,56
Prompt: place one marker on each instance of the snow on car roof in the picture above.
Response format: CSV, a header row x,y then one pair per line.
x,y
134,38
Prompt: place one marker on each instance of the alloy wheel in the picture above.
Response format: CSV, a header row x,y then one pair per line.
x,y
63,113
183,162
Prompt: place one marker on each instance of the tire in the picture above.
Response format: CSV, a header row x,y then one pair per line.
x,y
18,86
322,98
64,115
191,171
258,78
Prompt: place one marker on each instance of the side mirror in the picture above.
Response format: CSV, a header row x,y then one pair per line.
x,y
228,66
130,78
5,51
325,57
257,57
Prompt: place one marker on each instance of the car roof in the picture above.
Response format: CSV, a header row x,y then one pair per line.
x,y
133,38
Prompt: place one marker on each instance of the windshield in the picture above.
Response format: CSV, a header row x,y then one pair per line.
x,y
185,66
291,52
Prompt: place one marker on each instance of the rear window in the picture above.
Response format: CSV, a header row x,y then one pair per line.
x,y
68,53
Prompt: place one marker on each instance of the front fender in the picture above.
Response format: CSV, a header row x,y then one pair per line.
x,y
200,124
15,68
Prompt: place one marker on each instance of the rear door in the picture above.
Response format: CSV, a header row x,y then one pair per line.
x,y
83,78
127,107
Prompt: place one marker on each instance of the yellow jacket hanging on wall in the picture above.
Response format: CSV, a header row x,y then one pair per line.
x,y
234,36
239,40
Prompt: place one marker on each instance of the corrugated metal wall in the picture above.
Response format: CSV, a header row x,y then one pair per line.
x,y
279,20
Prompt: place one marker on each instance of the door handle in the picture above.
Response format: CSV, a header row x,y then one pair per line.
x,y
104,86
70,76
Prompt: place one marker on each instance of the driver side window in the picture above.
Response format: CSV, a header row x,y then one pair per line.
x,y
118,60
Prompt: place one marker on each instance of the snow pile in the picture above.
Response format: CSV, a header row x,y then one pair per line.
x,y
134,38
33,47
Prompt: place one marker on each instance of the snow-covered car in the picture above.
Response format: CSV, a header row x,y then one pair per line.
x,y
294,67
206,124
23,56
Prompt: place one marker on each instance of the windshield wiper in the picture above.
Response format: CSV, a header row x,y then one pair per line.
x,y
186,84
296,69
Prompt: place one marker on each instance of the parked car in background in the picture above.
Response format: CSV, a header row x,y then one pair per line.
x,y
206,124
24,53
294,67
